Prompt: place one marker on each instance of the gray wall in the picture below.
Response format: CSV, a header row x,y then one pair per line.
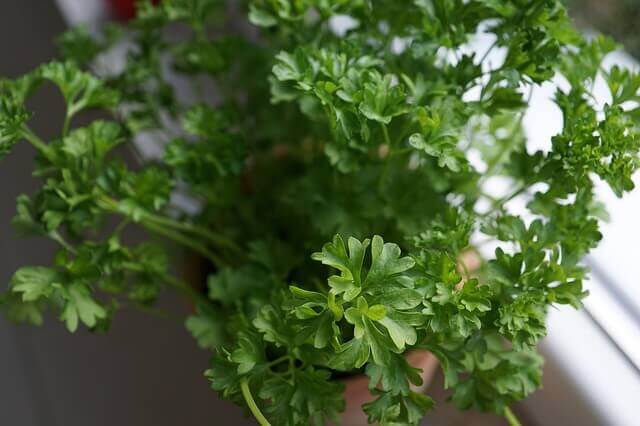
x,y
146,371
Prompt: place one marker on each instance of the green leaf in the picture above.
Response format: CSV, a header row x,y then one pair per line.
x,y
349,264
314,399
80,89
249,354
79,306
395,377
441,148
316,316
20,311
401,334
223,375
94,141
206,328
78,45
523,320
353,354
13,114
383,100
384,286
385,262
196,12
293,68
260,17
390,409
400,298
377,344
271,322
195,57
376,312
34,282
230,285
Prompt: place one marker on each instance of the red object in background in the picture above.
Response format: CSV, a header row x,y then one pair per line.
x,y
124,9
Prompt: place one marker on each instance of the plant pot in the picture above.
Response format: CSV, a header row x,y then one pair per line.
x,y
357,392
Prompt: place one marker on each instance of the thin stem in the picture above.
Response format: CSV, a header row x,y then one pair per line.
x,y
123,224
497,203
406,129
150,222
251,403
332,122
318,284
67,123
291,369
402,151
511,418
278,360
509,197
55,236
387,160
497,160
385,135
182,226
34,140
185,241
186,289
193,228
486,54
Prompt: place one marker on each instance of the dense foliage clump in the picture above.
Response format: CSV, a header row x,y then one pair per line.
x,y
336,155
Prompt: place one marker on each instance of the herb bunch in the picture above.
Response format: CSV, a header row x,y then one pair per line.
x,y
338,174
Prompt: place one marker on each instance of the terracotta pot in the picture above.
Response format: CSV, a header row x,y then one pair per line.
x,y
357,392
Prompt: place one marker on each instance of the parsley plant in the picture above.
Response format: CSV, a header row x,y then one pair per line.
x,y
340,172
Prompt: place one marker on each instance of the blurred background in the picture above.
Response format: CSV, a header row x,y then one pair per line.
x,y
148,371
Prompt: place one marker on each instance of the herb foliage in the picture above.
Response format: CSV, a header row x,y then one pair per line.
x,y
354,145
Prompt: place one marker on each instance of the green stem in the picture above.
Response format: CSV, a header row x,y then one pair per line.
x,y
123,224
185,241
195,229
291,369
164,221
151,223
385,135
497,160
511,418
499,202
509,197
34,140
387,160
65,126
404,132
186,289
251,403
486,54
402,151
55,236
278,360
